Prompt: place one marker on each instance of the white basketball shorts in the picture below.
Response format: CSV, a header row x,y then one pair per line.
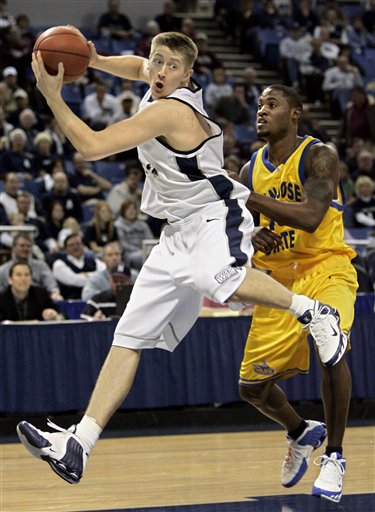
x,y
203,255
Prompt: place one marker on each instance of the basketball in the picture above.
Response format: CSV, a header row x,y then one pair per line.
x,y
67,45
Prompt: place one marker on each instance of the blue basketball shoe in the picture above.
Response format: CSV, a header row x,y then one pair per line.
x,y
299,451
324,324
63,450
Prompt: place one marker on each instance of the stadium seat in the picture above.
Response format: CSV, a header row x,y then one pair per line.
x,y
112,171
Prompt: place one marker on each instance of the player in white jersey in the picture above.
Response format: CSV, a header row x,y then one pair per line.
x,y
205,250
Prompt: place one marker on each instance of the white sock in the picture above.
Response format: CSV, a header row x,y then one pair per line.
x,y
300,304
88,432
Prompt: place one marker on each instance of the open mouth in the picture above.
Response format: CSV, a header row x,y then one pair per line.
x,y
159,86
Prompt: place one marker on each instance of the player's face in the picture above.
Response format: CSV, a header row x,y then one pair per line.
x,y
167,71
274,116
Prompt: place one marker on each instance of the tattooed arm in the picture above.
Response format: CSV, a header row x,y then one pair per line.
x,y
322,178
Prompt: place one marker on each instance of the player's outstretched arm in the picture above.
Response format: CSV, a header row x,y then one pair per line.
x,y
131,67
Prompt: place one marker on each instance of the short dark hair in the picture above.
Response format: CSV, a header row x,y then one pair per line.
x,y
290,94
17,264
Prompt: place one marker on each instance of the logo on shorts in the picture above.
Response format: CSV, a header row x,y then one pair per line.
x,y
225,274
263,369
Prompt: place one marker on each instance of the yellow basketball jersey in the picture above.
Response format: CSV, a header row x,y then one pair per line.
x,y
285,183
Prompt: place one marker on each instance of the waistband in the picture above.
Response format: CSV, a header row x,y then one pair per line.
x,y
296,270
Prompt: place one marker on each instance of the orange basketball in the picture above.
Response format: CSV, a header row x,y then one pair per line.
x,y
67,45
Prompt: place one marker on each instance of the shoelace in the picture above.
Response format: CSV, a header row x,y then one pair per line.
x,y
329,466
71,429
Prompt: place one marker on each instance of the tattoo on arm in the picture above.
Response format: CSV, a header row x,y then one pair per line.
x,y
322,174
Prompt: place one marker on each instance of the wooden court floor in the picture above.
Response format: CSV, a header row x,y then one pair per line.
x,y
216,472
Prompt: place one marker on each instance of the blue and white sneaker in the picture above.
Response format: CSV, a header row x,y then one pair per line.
x,y
329,483
63,450
299,451
324,325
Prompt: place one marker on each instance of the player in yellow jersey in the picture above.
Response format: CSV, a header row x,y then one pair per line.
x,y
295,187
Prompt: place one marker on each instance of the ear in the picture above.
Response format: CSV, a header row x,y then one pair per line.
x,y
187,75
296,114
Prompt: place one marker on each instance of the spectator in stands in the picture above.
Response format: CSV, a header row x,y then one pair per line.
x,y
346,180
21,99
167,20
8,86
188,28
293,50
54,219
99,107
217,88
113,23
352,152
73,268
41,272
101,229
128,189
99,281
309,125
5,128
365,165
23,301
27,35
328,49
368,17
305,16
86,182
8,197
62,192
206,61
228,15
358,36
144,46
103,304
71,227
335,20
131,231
270,16
232,164
43,159
4,221
16,158
363,206
250,23
359,117
28,121
234,107
338,82
312,73
252,90
128,103
24,205
62,146
6,237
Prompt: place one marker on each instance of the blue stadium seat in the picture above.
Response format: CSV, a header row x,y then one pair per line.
x,y
112,171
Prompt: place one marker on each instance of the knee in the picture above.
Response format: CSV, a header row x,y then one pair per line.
x,y
254,395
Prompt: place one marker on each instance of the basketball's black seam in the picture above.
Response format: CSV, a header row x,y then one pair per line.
x,y
62,52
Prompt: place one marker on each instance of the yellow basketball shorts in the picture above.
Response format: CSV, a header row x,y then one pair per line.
x,y
276,346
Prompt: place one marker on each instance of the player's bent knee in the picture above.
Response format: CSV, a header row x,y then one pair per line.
x,y
255,394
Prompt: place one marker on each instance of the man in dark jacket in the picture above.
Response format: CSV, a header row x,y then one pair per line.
x,y
23,301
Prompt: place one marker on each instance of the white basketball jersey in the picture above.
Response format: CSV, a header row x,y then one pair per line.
x,y
180,183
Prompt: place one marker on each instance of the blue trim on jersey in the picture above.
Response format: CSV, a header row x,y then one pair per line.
x,y
265,160
220,183
301,171
251,170
233,220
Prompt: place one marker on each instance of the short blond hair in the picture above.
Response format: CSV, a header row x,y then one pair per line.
x,y
177,42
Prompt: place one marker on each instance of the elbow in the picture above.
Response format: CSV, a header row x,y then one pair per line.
x,y
310,225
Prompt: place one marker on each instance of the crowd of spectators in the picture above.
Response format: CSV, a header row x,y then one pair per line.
x,y
70,212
